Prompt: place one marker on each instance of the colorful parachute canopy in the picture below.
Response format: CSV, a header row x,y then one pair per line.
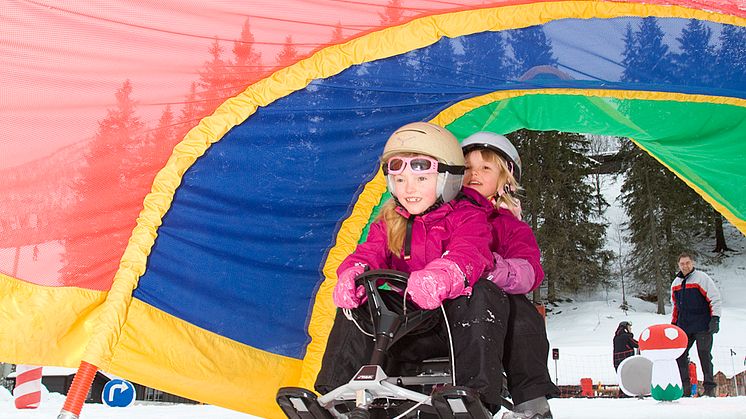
x,y
179,178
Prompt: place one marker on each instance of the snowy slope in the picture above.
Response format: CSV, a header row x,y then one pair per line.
x,y
583,329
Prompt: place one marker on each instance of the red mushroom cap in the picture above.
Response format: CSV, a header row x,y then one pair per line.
x,y
662,336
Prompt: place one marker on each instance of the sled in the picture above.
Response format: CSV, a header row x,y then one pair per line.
x,y
371,393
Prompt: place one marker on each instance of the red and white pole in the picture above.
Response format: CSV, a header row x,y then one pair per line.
x,y
27,392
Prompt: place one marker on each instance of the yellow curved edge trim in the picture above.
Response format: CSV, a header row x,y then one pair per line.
x,y
45,325
324,310
460,109
325,63
218,370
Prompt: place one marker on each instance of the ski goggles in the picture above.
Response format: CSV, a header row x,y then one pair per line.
x,y
418,164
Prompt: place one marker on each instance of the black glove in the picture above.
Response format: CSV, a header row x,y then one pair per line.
x,y
714,325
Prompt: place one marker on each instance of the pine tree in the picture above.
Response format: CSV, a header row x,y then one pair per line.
x,y
665,215
731,56
485,54
531,48
289,54
731,63
642,205
247,61
393,13
109,193
159,145
695,63
646,58
190,113
559,208
214,85
630,55
337,34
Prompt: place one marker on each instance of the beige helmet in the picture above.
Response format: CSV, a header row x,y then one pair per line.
x,y
431,140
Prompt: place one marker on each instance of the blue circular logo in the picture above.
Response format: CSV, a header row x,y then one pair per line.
x,y
118,393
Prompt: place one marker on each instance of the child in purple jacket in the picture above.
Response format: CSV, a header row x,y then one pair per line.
x,y
493,168
433,230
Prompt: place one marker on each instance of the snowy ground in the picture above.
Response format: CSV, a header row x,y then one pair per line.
x,y
700,408
582,330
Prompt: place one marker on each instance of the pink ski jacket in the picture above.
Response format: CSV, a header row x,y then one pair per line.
x,y
517,258
458,231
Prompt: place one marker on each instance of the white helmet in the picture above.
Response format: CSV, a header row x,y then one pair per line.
x,y
497,143
431,140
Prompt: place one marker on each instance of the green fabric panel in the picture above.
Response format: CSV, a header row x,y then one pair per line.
x,y
704,143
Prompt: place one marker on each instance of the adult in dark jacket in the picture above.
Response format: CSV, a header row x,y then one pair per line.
x,y
696,309
624,343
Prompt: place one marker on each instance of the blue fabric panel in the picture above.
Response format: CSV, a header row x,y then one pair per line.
x,y
241,250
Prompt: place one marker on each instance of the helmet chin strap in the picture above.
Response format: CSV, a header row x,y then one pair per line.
x,y
410,224
436,205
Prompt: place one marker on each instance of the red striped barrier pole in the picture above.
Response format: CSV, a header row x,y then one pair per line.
x,y
27,392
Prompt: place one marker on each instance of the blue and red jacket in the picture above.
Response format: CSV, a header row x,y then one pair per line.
x,y
695,300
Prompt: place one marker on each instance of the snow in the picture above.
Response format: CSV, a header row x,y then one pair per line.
x,y
582,330
724,407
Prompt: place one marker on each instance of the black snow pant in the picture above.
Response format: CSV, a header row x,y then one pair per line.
x,y
526,352
478,327
704,351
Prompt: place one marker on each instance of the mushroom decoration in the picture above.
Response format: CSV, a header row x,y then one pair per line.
x,y
662,344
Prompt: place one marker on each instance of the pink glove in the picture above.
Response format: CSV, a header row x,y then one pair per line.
x,y
440,280
345,295
514,276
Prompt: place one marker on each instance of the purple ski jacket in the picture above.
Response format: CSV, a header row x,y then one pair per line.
x,y
517,258
458,231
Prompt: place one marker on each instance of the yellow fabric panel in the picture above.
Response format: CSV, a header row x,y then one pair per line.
x,y
221,371
326,62
324,310
45,325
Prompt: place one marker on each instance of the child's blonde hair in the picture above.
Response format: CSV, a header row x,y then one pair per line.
x,y
505,178
396,226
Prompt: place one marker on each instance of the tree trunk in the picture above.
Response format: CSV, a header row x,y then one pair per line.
x,y
720,245
597,181
654,246
534,226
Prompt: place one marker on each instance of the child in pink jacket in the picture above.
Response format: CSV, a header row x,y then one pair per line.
x,y
433,230
493,168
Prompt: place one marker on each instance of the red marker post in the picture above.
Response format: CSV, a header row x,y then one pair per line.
x,y
27,392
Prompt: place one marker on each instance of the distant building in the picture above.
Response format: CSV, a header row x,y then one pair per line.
x,y
726,386
59,380
5,370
